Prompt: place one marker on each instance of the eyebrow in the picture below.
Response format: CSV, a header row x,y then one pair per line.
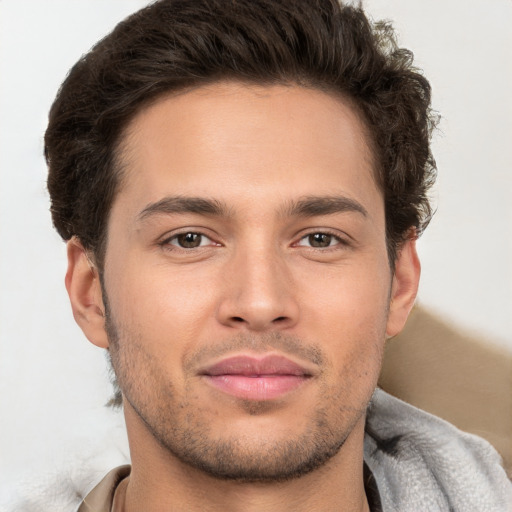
x,y
323,205
305,207
180,204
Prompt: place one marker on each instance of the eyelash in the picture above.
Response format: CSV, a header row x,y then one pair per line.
x,y
340,241
168,244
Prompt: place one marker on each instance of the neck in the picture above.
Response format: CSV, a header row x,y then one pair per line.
x,y
159,482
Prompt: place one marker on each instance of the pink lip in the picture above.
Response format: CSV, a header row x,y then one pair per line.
x,y
255,378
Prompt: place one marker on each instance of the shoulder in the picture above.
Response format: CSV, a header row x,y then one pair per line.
x,y
421,462
60,484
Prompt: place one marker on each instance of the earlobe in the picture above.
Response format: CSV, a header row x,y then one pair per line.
x,y
84,290
404,287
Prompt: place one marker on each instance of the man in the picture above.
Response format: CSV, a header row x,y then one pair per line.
x,y
241,185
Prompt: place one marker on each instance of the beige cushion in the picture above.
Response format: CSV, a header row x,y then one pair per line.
x,y
460,377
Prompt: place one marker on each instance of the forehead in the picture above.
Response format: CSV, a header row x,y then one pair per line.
x,y
261,143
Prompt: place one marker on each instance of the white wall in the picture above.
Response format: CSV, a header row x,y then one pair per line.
x,y
465,49
52,382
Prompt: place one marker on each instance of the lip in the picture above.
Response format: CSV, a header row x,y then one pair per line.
x,y
256,378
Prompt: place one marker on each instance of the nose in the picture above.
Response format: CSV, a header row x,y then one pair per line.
x,y
258,293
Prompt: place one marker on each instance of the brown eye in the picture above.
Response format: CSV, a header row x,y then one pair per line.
x,y
188,240
320,240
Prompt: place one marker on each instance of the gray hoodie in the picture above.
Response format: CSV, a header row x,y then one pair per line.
x,y
424,464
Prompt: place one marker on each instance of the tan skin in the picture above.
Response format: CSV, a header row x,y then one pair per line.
x,y
271,259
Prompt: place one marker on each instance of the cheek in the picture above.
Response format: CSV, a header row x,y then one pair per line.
x,y
348,298
348,308
164,307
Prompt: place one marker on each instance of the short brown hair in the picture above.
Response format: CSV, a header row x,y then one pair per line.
x,y
176,44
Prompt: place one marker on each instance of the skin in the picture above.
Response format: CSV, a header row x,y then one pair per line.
x,y
258,283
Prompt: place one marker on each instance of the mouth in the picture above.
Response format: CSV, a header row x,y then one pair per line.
x,y
253,378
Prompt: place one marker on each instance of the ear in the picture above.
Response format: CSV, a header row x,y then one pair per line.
x,y
404,287
84,290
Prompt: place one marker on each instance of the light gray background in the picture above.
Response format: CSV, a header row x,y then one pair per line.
x,y
53,383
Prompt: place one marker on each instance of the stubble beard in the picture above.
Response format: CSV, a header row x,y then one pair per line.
x,y
184,430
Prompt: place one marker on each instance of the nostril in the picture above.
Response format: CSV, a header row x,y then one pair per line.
x,y
238,319
279,319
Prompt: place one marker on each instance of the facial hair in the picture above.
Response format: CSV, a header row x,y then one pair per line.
x,y
181,423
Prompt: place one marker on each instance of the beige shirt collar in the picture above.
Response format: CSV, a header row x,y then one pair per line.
x,y
101,498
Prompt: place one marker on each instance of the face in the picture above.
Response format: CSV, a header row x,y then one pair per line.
x,y
247,285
